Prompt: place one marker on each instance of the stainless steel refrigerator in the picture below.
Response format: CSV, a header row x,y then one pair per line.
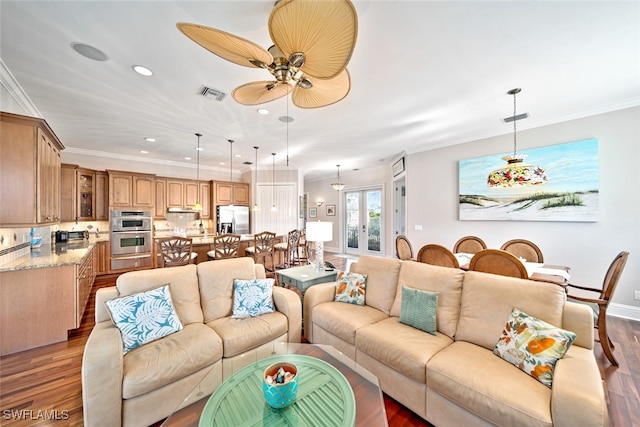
x,y
232,219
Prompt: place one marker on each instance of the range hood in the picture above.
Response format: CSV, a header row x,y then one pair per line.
x,y
184,210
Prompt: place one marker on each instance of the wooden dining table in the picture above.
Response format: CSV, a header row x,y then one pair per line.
x,y
540,272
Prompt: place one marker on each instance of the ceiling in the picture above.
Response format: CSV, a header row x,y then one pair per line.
x,y
424,74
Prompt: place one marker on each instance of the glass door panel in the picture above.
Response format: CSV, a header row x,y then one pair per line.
x,y
363,222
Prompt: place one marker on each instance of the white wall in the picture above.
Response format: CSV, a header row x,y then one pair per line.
x,y
588,248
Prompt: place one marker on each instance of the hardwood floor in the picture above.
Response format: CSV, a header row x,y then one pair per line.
x,y
42,387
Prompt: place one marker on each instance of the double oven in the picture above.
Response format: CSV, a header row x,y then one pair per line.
x,y
131,239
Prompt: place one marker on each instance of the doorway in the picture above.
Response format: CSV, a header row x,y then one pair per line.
x,y
364,222
399,208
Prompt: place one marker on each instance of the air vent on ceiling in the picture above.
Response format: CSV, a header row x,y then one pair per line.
x,y
213,94
518,117
247,163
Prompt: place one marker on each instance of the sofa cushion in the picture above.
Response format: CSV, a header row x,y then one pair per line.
x,y
382,280
403,348
343,320
144,317
533,345
446,281
164,361
351,288
475,379
487,300
216,284
240,335
252,298
419,309
183,285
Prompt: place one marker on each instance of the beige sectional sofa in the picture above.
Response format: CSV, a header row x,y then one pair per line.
x,y
146,384
453,378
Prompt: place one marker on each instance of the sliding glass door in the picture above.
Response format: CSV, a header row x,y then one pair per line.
x,y
363,220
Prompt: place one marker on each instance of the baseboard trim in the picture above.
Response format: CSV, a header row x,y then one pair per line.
x,y
625,311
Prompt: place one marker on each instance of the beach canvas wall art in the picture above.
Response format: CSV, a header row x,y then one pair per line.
x,y
569,193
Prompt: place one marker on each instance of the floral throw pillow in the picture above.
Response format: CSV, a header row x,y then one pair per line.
x,y
144,317
252,298
418,309
533,345
350,288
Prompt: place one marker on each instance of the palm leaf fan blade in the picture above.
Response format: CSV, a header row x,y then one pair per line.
x,y
225,45
325,31
323,92
256,93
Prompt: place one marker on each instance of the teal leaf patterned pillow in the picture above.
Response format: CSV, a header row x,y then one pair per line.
x,y
144,317
351,288
252,298
418,309
533,345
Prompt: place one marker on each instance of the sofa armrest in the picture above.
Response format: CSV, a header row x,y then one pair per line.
x,y
288,303
578,318
103,295
577,396
316,294
102,371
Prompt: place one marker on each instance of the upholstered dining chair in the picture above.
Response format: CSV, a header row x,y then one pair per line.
x,y
437,255
289,249
175,251
404,251
469,245
522,248
600,304
263,248
497,261
225,246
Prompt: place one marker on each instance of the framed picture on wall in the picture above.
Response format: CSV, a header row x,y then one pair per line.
x,y
398,167
331,210
313,212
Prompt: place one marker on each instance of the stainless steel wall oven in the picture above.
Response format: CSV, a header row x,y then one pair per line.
x,y
131,239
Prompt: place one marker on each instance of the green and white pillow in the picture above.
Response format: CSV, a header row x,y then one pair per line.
x,y
418,309
144,317
533,345
252,298
351,288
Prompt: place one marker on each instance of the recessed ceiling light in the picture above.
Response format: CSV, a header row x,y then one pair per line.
x,y
237,155
187,158
142,70
89,51
150,139
199,149
222,163
286,119
263,111
144,152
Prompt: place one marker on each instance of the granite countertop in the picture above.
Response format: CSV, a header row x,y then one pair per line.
x,y
54,255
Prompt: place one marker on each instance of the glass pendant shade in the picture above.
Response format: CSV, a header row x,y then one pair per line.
x,y
338,186
516,173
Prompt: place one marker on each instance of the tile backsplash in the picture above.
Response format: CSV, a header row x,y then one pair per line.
x,y
16,242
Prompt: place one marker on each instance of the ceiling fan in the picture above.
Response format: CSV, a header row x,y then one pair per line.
x,y
313,42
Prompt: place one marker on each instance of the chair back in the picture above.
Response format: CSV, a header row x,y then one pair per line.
x,y
613,276
226,246
437,255
264,243
175,251
522,248
500,262
469,245
404,251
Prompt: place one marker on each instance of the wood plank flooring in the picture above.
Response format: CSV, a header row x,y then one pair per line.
x,y
42,387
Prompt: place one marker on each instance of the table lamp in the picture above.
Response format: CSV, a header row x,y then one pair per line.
x,y
319,232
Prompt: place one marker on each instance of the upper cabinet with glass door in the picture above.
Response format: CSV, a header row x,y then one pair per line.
x,y
86,197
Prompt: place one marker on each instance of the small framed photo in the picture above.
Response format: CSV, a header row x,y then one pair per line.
x,y
331,210
313,212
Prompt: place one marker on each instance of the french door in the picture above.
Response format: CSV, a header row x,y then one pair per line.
x,y
363,222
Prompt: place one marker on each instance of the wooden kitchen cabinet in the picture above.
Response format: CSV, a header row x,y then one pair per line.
x,y
85,276
160,207
205,200
101,208
30,172
86,194
103,255
68,192
128,189
183,194
231,193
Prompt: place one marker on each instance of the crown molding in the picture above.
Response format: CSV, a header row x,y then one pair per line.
x,y
12,86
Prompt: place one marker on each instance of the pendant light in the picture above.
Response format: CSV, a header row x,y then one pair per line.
x,y
198,205
255,208
231,168
516,173
338,186
273,182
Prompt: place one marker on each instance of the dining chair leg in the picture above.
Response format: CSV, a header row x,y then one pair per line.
x,y
605,342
